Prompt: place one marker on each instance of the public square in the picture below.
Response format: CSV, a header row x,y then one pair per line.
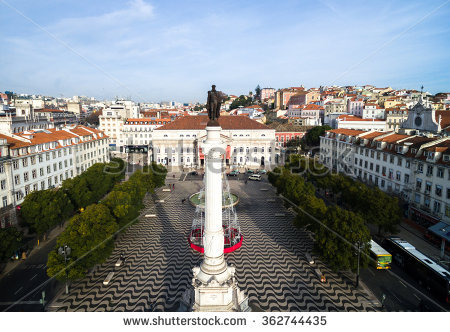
x,y
271,266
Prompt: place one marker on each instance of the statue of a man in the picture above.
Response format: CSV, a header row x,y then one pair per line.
x,y
213,104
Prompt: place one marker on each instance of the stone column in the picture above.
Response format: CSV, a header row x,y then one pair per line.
x,y
215,287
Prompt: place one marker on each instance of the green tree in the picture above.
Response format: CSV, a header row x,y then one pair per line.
x,y
258,92
241,101
43,210
90,236
312,136
10,241
338,248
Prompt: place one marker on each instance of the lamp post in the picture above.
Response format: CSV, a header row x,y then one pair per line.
x,y
357,272
65,251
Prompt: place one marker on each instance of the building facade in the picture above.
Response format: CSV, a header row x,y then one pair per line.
x,y
249,144
416,168
43,159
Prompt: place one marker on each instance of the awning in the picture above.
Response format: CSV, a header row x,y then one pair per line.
x,y
442,230
425,216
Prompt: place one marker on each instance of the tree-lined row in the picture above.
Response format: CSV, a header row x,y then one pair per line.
x,y
337,231
90,234
42,210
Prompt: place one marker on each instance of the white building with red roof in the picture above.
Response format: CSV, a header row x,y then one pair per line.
x,y
42,159
416,168
346,121
249,144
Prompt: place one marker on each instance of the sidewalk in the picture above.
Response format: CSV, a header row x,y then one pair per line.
x,y
417,239
10,266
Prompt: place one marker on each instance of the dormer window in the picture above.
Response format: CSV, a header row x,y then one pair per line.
x,y
446,157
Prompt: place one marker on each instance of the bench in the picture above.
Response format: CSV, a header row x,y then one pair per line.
x,y
108,278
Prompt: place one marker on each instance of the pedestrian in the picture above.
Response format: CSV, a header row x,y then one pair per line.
x,y
173,186
246,181
183,200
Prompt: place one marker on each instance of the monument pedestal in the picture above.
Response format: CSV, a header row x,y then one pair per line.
x,y
214,282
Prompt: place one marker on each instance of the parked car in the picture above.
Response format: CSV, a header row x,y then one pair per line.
x,y
255,177
250,171
263,171
234,172
194,173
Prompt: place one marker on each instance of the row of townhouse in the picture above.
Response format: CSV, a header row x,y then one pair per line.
x,y
43,159
416,168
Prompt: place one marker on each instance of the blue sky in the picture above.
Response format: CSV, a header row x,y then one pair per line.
x,y
153,50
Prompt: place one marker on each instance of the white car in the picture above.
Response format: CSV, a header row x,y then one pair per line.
x,y
255,177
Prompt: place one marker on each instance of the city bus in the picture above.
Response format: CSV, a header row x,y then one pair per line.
x,y
381,258
425,271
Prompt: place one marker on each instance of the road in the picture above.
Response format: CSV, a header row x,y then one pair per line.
x,y
25,283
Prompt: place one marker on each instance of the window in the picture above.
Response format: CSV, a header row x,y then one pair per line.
x,y
33,174
41,158
391,159
391,173
420,168
18,195
398,176
448,193
33,160
5,201
417,198
356,161
365,164
383,170
384,157
377,168
427,187
3,184
419,184
399,161
42,185
371,166
54,167
437,207
378,155
49,182
429,170
60,165
25,176
438,190
407,164
15,164
24,162
48,170
2,168
47,156
440,172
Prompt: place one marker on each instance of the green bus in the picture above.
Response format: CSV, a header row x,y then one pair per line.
x,y
381,259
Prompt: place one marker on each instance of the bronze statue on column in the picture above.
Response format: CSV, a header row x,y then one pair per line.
x,y
213,104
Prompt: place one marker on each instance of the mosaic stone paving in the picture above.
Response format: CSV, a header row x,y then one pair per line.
x,y
270,266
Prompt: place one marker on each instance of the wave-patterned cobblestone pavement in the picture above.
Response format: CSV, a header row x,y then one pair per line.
x,y
271,267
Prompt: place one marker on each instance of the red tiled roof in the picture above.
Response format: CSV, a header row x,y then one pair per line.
x,y
348,132
310,107
445,118
345,117
226,122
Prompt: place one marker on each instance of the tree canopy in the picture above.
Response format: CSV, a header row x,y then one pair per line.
x,y
312,136
241,101
10,241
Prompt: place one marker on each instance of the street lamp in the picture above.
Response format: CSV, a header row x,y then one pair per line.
x,y
357,273
65,251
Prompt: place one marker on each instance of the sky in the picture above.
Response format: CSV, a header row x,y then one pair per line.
x,y
162,50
